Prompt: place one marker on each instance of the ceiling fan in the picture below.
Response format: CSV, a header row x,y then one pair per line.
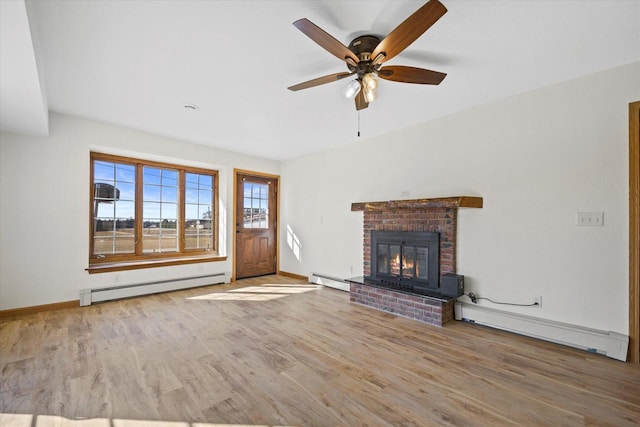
x,y
365,55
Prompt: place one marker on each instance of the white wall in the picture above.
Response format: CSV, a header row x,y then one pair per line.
x,y
536,159
44,202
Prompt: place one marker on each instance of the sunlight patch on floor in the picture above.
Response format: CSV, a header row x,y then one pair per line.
x,y
276,289
265,292
220,296
28,420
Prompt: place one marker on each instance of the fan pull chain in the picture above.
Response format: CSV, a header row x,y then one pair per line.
x,y
358,124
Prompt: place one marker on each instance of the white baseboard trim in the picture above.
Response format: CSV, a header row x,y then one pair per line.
x,y
89,296
331,282
611,344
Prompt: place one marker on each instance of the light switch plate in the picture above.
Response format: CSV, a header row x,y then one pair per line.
x,y
590,219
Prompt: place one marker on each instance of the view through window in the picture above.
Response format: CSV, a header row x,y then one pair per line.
x,y
143,209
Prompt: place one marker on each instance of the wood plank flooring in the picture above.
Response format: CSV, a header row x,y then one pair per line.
x,y
293,354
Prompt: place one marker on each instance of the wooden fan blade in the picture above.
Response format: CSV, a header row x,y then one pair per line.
x,y
320,81
361,104
400,73
409,30
324,39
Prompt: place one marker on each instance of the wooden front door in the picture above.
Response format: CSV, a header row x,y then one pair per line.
x,y
256,220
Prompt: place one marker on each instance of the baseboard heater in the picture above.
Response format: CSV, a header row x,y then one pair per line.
x,y
611,344
89,296
328,281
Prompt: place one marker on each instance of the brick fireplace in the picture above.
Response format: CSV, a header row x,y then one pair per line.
x,y
436,215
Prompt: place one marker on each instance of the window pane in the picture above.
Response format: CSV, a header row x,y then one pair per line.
x,y
198,211
151,193
170,194
204,212
150,210
125,173
113,207
206,181
104,210
191,241
191,196
191,180
169,178
124,245
103,171
103,180
160,210
191,212
103,246
264,213
105,191
150,243
168,211
168,227
168,244
198,240
102,227
127,190
204,196
125,227
152,175
125,209
150,227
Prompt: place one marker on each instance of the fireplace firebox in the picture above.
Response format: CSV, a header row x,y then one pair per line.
x,y
406,260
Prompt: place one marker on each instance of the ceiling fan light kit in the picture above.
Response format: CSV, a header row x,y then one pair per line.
x,y
352,89
369,87
365,55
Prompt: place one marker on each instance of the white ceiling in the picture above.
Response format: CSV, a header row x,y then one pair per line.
x,y
137,63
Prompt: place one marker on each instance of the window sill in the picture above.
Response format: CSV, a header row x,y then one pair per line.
x,y
106,267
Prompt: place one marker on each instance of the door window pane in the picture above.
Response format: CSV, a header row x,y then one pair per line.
x,y
256,205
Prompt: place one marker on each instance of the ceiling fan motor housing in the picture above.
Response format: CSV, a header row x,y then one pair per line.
x,y
362,47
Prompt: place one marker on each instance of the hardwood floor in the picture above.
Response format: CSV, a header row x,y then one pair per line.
x,y
292,355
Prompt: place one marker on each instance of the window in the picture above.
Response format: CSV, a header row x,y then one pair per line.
x,y
148,211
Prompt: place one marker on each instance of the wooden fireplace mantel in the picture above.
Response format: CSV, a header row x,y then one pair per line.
x,y
439,202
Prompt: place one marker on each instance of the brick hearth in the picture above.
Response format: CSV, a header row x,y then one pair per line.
x,y
422,215
435,311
